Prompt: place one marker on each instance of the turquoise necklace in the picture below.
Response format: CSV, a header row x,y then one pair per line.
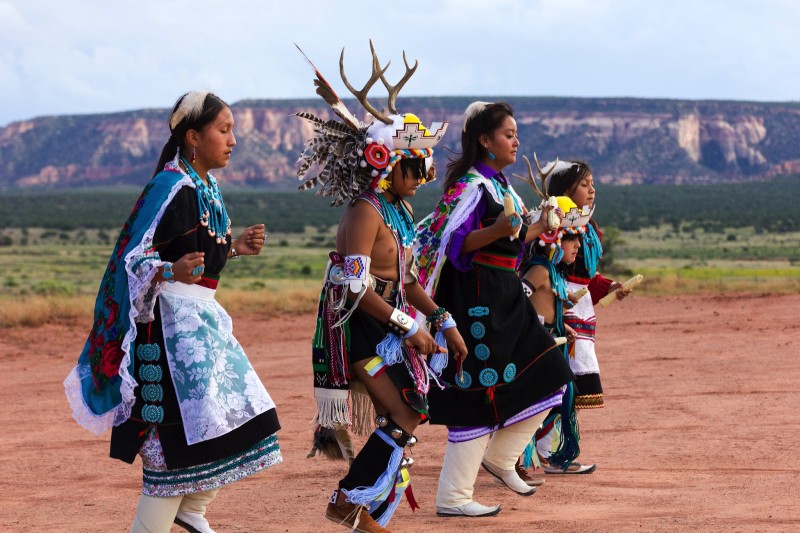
x,y
213,214
398,219
502,189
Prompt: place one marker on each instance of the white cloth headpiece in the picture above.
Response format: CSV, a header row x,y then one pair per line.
x,y
473,109
191,106
559,166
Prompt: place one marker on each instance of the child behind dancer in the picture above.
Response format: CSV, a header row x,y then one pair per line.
x,y
574,179
545,283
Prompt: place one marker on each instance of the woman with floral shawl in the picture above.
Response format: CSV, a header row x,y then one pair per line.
x,y
468,252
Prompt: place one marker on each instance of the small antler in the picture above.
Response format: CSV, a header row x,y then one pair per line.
x,y
377,73
531,178
542,174
395,90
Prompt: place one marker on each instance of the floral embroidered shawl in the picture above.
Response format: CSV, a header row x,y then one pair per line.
x,y
100,387
435,231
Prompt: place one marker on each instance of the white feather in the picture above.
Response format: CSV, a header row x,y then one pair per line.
x,y
473,109
558,166
191,105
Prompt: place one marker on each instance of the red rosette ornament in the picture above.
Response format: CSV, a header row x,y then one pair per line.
x,y
377,155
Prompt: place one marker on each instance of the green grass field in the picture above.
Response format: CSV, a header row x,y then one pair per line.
x,y
697,261
46,274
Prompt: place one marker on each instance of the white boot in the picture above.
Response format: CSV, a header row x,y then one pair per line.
x,y
457,480
155,515
191,514
504,450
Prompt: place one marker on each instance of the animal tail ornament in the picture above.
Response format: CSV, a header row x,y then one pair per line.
x,y
333,443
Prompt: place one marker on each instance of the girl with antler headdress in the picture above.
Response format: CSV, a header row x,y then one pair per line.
x,y
544,278
365,333
161,366
469,250
574,179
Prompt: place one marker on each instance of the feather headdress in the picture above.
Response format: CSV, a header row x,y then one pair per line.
x,y
354,156
190,106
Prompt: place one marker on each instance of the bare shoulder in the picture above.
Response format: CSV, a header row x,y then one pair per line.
x,y
361,212
359,227
539,277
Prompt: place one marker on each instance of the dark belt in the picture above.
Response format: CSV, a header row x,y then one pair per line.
x,y
385,289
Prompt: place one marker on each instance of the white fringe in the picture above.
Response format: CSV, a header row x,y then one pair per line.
x,y
332,407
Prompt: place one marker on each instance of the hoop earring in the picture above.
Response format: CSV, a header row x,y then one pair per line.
x,y
194,155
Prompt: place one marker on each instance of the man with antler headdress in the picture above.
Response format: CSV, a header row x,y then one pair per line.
x,y
365,332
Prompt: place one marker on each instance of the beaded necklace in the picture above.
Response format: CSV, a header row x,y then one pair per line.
x,y
398,219
502,189
213,214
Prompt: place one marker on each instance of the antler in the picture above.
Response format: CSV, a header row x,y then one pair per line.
x,y
361,95
543,174
395,90
531,179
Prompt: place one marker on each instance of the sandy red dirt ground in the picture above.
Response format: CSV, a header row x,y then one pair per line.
x,y
699,433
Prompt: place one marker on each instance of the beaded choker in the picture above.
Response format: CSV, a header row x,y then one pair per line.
x,y
213,214
399,220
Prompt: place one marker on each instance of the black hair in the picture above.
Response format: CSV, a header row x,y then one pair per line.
x,y
414,166
488,120
564,183
212,106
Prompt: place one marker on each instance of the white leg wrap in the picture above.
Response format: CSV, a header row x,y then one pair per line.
x,y
508,443
155,515
193,510
462,461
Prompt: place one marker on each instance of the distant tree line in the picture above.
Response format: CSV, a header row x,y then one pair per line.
x,y
767,206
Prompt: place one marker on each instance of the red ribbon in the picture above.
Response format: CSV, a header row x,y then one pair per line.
x,y
412,502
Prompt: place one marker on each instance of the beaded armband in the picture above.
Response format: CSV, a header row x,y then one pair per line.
x,y
167,273
353,272
438,317
400,323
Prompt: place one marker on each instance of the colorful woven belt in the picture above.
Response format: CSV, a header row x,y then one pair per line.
x,y
496,261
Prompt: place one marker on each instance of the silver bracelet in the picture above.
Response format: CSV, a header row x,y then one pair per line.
x,y
400,323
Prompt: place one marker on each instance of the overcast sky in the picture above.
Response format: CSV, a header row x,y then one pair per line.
x,y
89,56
